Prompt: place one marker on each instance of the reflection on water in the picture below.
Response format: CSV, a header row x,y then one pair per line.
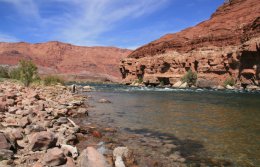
x,y
226,124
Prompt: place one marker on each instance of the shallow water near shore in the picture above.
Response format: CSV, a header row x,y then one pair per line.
x,y
202,123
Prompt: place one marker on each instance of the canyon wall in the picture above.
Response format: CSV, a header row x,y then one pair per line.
x,y
227,45
72,62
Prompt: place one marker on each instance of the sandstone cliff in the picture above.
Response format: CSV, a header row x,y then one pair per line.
x,y
74,62
226,45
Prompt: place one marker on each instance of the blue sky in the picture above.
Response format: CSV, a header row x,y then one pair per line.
x,y
121,23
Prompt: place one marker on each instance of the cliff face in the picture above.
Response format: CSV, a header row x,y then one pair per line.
x,y
226,45
75,62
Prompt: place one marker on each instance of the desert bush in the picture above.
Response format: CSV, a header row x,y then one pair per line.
x,y
140,80
52,80
4,72
190,77
229,81
27,72
14,73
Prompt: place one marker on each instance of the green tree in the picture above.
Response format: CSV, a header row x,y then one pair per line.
x,y
28,72
190,77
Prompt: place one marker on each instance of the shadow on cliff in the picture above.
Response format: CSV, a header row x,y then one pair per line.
x,y
193,151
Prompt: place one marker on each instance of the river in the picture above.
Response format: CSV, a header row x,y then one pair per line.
x,y
217,124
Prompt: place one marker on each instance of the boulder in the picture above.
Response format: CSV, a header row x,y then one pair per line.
x,y
6,163
68,149
96,134
4,143
37,164
230,87
252,87
42,141
23,122
10,102
177,84
6,154
82,111
220,87
90,157
87,88
121,152
184,85
34,128
14,133
104,101
12,110
118,154
62,120
70,162
54,157
123,156
3,106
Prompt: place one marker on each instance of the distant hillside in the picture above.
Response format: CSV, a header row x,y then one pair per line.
x,y
75,62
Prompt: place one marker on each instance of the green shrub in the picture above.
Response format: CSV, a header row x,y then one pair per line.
x,y
4,72
140,80
190,77
14,73
52,80
229,81
27,72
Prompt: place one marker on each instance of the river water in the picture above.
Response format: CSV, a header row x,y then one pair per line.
x,y
217,124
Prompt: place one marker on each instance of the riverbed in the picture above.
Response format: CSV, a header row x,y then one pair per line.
x,y
197,125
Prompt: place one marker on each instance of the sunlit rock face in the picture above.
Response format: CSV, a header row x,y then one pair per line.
x,y
91,63
226,45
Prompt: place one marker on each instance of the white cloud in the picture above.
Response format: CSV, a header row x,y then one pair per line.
x,y
26,7
83,22
7,38
94,17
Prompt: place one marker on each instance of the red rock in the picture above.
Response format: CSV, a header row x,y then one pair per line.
x,y
248,71
3,106
10,121
97,134
70,162
54,157
4,144
14,133
23,122
12,110
42,141
90,157
10,95
93,63
37,164
10,102
34,95
224,46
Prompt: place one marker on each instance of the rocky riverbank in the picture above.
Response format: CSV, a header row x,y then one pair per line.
x,y
37,128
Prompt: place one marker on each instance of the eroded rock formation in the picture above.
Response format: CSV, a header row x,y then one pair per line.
x,y
226,45
91,63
